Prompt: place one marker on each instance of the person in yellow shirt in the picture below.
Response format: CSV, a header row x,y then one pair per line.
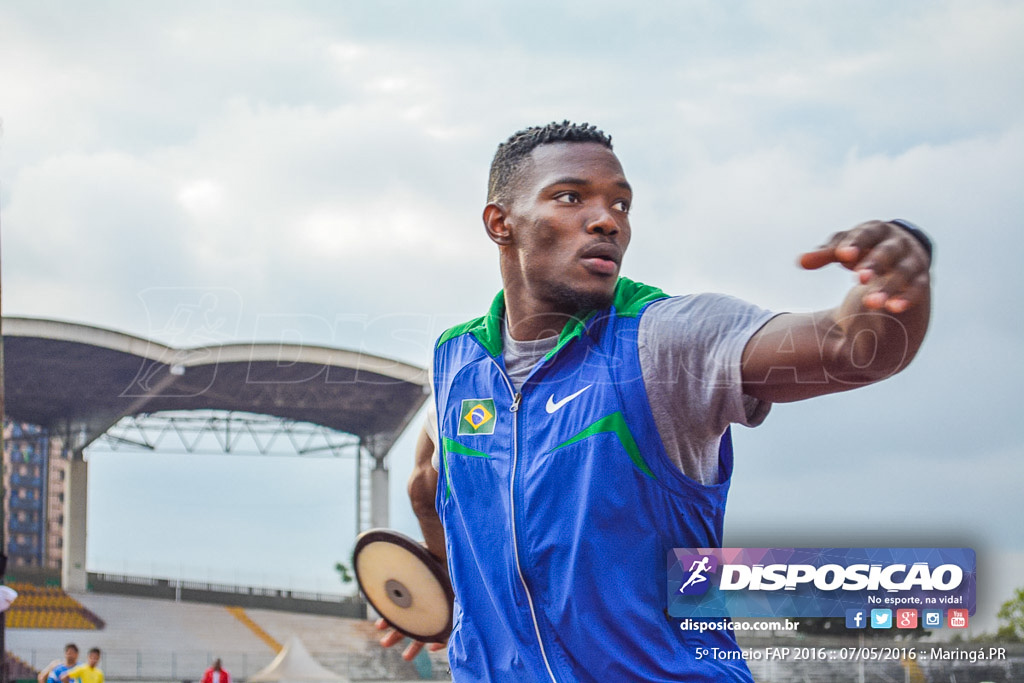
x,y
86,673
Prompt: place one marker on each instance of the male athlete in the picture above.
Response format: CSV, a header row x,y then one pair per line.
x,y
89,672
582,423
52,673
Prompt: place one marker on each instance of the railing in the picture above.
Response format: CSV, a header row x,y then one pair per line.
x,y
322,581
23,548
26,527
26,480
30,458
310,602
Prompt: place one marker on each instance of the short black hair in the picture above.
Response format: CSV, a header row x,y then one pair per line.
x,y
94,649
511,153
71,646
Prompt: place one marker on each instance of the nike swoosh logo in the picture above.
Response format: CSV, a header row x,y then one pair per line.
x,y
554,405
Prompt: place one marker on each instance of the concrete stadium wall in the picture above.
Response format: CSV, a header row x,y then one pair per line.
x,y
236,596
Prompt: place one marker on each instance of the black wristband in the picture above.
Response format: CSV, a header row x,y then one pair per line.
x,y
915,232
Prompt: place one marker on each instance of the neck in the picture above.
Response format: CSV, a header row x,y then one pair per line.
x,y
529,317
524,324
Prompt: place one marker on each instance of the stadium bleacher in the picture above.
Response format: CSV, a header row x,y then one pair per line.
x,y
48,607
163,640
18,670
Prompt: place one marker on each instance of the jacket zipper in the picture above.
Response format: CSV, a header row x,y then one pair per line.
x,y
517,398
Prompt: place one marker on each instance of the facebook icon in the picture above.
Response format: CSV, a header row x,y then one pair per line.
x,y
856,618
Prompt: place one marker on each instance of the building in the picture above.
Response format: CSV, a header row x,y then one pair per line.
x,y
33,486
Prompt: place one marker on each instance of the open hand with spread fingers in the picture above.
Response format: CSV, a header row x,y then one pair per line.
x,y
892,260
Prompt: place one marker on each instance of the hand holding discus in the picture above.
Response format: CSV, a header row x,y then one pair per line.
x,y
407,586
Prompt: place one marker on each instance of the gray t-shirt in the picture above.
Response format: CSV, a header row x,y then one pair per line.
x,y
690,352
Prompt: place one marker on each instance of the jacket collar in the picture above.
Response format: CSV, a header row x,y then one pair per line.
x,y
629,299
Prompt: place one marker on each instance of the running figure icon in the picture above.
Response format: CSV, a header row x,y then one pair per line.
x,y
696,570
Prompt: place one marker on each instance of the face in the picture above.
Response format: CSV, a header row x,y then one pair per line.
x,y
568,225
94,658
71,655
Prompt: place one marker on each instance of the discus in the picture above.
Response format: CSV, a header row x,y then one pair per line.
x,y
405,584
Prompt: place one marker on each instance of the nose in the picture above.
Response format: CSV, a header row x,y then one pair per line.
x,y
602,223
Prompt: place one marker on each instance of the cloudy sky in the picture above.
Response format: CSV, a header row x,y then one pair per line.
x,y
316,171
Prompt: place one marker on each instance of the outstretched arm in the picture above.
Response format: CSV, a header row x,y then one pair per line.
x,y
873,334
45,673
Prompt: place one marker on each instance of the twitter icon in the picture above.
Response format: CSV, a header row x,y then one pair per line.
x,y
881,618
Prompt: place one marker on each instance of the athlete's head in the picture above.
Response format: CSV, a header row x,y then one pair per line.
x,y
70,654
513,153
558,208
94,656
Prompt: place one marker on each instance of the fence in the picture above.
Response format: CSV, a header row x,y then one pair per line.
x,y
307,602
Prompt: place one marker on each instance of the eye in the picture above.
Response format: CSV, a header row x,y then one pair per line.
x,y
568,198
621,205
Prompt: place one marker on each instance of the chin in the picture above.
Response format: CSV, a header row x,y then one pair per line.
x,y
575,299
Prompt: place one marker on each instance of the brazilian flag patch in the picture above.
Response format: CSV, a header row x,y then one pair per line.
x,y
477,416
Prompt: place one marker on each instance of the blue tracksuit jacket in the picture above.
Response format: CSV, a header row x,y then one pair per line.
x,y
560,505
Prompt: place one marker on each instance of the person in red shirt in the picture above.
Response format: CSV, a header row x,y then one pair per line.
x,y
216,674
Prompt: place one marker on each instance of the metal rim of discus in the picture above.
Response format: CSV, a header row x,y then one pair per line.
x,y
398,596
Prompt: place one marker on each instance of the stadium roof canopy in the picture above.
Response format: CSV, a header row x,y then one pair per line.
x,y
80,380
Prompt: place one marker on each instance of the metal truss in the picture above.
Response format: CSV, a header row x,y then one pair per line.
x,y
216,432
219,432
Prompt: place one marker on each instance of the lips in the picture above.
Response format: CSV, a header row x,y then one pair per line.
x,y
602,258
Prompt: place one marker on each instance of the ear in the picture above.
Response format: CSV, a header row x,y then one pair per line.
x,y
496,224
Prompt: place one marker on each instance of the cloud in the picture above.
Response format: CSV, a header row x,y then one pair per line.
x,y
80,225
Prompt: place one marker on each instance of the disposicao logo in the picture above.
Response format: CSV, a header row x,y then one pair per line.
x,y
809,582
830,577
477,416
697,567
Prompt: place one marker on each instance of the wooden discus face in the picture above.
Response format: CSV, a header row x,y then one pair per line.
x,y
404,584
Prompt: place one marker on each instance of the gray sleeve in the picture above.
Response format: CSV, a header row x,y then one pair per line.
x,y
690,353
